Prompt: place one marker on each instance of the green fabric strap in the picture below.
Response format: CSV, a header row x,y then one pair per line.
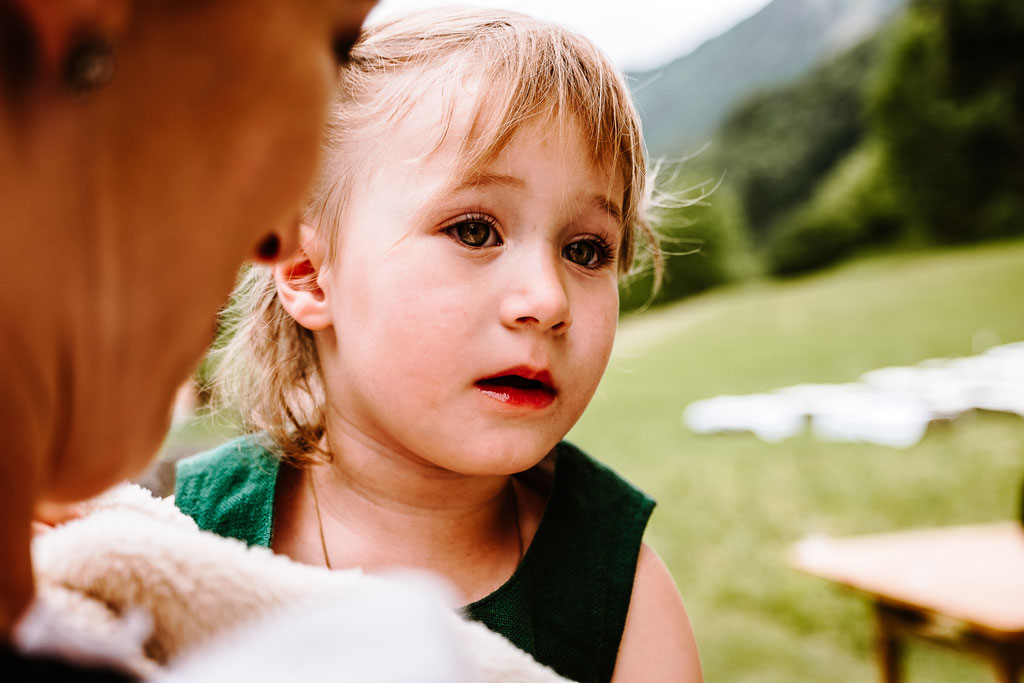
x,y
565,604
230,490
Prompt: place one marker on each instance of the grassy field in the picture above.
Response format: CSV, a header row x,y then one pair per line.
x,y
730,505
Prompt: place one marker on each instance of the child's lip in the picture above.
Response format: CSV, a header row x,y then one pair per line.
x,y
522,376
520,386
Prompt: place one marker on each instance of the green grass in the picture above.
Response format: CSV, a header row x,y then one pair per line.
x,y
730,505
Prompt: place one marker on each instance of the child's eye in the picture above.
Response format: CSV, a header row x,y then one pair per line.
x,y
591,252
475,231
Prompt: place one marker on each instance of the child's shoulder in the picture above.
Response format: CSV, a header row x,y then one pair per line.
x,y
230,490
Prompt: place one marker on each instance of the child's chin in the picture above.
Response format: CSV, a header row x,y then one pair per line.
x,y
501,462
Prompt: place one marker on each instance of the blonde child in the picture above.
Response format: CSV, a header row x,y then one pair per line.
x,y
410,374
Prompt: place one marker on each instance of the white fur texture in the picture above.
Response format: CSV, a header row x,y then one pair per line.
x,y
132,551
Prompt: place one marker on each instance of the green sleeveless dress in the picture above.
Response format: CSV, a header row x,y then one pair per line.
x,y
565,604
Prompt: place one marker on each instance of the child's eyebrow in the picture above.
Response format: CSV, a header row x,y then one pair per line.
x,y
485,179
606,205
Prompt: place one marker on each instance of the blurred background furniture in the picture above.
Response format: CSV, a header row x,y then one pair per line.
x,y
961,587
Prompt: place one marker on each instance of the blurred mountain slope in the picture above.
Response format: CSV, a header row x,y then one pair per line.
x,y
683,102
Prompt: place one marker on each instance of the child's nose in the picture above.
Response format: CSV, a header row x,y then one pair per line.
x,y
536,296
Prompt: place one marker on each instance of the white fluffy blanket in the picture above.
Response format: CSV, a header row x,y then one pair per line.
x,y
134,552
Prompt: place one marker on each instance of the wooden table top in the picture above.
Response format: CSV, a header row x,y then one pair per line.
x,y
970,573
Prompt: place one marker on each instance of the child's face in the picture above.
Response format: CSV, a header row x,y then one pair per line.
x,y
471,326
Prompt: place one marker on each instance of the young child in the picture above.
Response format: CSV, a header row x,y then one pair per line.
x,y
410,374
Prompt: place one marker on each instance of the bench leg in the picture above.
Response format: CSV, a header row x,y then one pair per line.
x,y
1007,669
889,647
890,658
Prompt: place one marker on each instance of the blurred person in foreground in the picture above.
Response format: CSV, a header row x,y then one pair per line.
x,y
147,149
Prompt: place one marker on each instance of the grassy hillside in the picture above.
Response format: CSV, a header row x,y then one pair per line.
x,y
729,505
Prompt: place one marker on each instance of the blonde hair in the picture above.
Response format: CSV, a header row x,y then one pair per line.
x,y
269,370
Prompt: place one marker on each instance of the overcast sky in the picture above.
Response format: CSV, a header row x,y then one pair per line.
x,y
636,34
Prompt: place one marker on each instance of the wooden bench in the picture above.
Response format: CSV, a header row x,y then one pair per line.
x,y
961,587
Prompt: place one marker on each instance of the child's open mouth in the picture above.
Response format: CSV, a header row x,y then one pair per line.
x,y
517,390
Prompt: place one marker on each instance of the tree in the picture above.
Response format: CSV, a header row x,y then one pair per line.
x,y
950,113
777,146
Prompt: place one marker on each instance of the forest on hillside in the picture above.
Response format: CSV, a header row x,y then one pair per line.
x,y
913,137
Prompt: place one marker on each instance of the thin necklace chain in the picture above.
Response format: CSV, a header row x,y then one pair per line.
x,y
319,522
323,539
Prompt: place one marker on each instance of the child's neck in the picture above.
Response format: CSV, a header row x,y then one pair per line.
x,y
382,510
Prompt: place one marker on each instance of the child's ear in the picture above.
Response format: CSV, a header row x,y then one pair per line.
x,y
298,286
